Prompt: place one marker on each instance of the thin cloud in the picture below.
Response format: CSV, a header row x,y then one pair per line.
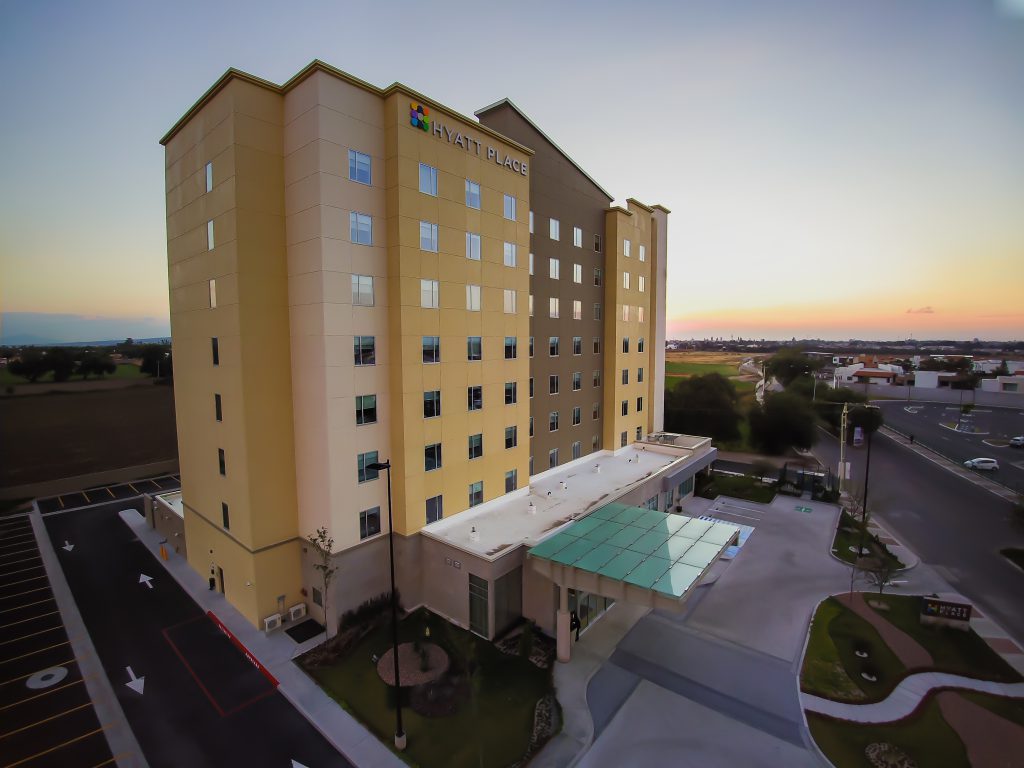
x,y
921,311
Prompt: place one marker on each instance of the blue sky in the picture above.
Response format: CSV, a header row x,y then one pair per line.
x,y
834,169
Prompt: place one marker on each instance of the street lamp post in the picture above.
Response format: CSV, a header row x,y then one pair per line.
x,y
400,737
864,500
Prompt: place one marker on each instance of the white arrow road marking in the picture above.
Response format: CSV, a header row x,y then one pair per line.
x,y
136,683
147,580
68,546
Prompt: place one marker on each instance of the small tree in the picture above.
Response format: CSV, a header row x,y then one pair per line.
x,y
31,364
324,545
881,570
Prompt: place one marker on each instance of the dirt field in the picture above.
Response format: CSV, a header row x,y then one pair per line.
x,y
46,437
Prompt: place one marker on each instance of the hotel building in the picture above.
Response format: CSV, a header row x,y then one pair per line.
x,y
360,275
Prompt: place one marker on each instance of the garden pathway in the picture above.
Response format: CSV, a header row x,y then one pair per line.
x,y
990,740
907,649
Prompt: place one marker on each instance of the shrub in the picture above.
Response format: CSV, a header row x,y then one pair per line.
x,y
368,610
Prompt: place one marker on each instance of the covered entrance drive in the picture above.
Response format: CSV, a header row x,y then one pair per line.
x,y
632,554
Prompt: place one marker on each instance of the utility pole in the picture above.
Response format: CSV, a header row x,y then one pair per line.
x,y
842,450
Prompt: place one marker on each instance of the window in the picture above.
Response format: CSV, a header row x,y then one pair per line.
x,y
552,458
577,417
553,346
639,375
597,243
428,236
358,167
472,196
428,179
511,347
553,269
597,311
553,307
509,301
553,384
363,461
577,273
625,344
429,290
577,381
531,305
473,246
369,522
577,345
511,480
432,457
577,237
623,439
431,349
625,375
360,228
598,277
577,309
531,346
510,254
476,446
362,290
639,406
209,177
215,349
531,433
640,344
213,294
364,350
510,393
473,298
510,207
640,284
577,449
625,407
221,462
435,509
475,397
625,248
593,443
431,403
643,253
639,314
217,411
531,263
318,597
225,516
553,230
595,412
209,235
639,433
531,222
597,378
366,409
625,313
625,280
476,491
553,421
474,348
597,345
511,437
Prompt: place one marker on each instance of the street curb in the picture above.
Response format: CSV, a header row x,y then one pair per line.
x,y
799,672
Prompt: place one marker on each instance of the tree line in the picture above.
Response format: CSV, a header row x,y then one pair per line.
x,y
33,363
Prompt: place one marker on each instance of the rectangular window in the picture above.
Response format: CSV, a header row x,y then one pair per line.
x,y
597,378
213,294
358,167
209,177
577,237
639,405
554,229
428,236
553,384
473,246
595,411
531,346
431,349
215,349
363,461
479,604
639,375
509,301
431,403
509,208
553,307
476,446
577,273
221,462
225,516
475,398
531,387
577,416
625,280
577,449
472,194
623,439
362,290
473,298
360,228
594,442
553,421
577,309
511,437
531,435
597,243
474,348
625,344
625,407
625,313
369,522
625,375
435,509
511,480
598,277
531,305
209,235
531,222
510,254
597,311
577,345
429,290
531,263
364,349
552,458
640,344
597,345
639,314
476,495
553,346
577,381
366,409
553,269
643,253
639,433
625,248
218,413
428,179
511,347
510,393
640,283
432,457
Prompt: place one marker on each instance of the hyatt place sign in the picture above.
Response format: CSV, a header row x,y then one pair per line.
x,y
419,117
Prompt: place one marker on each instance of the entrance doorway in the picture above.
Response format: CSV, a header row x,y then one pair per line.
x,y
588,607
220,579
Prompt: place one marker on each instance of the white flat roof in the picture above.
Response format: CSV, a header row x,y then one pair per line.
x,y
492,529
173,502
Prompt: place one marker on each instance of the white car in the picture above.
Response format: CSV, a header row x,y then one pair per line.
x,y
989,465
1017,442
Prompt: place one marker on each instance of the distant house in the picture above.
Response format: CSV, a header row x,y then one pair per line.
x,y
933,379
1003,384
858,373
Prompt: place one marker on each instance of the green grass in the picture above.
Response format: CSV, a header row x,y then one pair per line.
x,y
740,487
849,633
124,371
823,672
1006,708
699,369
925,737
953,650
496,732
848,534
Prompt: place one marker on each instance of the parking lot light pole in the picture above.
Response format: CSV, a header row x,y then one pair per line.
x,y
864,500
400,736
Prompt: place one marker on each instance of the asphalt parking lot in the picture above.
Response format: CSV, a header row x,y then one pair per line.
x,y
46,716
105,493
202,702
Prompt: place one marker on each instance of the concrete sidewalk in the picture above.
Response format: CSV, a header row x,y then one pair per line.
x,y
275,651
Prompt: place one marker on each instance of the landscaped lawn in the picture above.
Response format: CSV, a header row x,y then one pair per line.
x,y
925,737
848,535
699,369
738,486
493,721
1006,708
124,371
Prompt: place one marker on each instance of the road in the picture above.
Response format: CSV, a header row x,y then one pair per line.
x,y
952,524
202,702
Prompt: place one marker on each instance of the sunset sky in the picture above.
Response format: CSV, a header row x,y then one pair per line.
x,y
834,169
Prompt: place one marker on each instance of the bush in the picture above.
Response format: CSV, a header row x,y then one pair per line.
x,y
368,610
526,641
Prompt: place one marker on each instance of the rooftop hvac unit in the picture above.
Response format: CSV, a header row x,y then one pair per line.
x,y
272,622
297,611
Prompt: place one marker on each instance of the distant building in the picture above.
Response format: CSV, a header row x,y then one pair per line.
x,y
1003,384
